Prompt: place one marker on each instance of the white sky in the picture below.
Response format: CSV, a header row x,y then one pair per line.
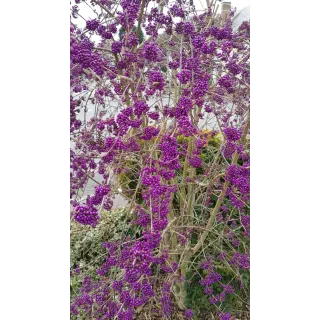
x,y
86,12
234,3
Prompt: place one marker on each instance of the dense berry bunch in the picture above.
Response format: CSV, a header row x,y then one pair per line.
x,y
116,47
177,11
140,108
239,188
195,161
184,76
156,80
92,25
188,28
151,51
149,133
86,215
189,314
232,134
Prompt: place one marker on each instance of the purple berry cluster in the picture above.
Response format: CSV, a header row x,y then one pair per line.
x,y
184,76
92,25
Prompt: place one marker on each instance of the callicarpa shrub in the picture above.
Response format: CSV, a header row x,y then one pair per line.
x,y
168,89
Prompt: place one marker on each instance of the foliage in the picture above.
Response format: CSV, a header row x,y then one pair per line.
x,y
134,29
85,242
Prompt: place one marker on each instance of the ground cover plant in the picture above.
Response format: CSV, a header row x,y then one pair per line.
x,y
169,88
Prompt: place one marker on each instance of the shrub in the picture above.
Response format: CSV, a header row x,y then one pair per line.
x,y
169,134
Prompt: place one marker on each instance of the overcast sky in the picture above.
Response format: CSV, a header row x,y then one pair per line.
x,y
87,13
234,3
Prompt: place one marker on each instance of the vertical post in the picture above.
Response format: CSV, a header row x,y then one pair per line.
x,y
225,11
